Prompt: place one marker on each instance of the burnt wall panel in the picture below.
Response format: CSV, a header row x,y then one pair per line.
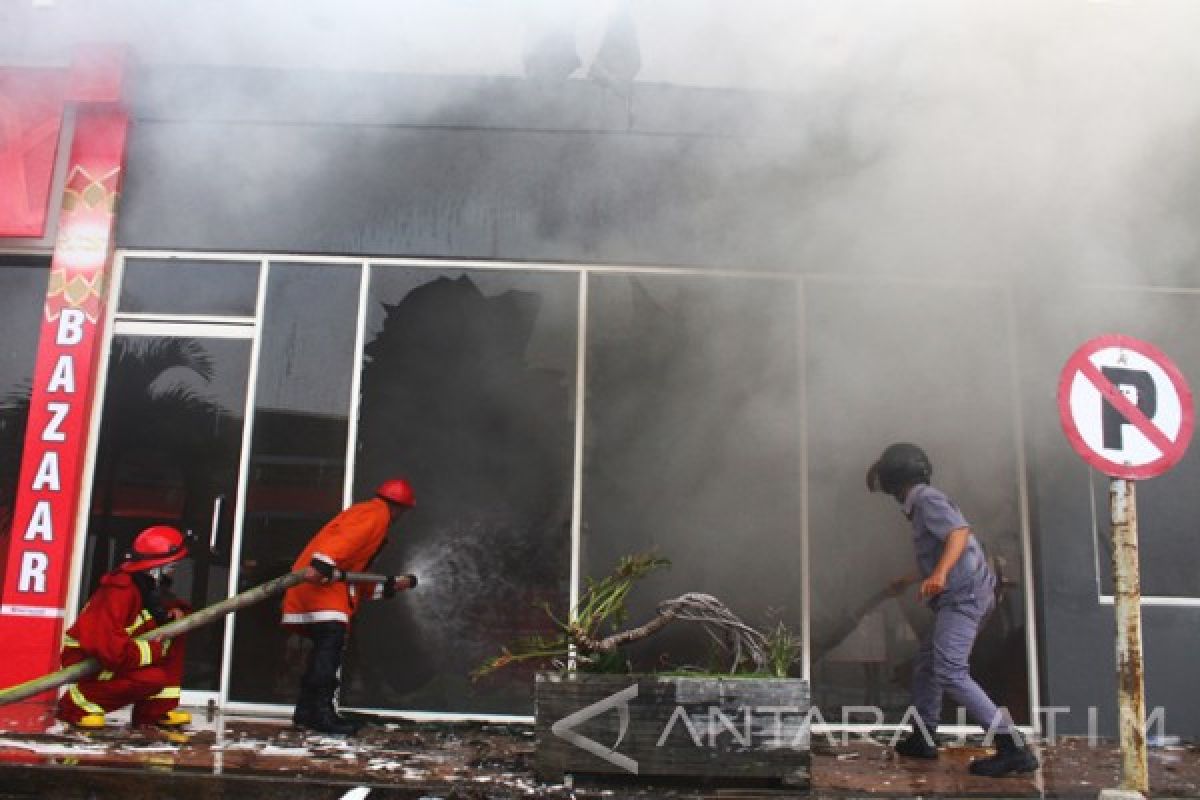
x,y
576,196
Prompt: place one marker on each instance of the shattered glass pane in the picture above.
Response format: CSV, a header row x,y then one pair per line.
x,y
468,383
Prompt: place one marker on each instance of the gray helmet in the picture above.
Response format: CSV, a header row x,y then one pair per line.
x,y
901,465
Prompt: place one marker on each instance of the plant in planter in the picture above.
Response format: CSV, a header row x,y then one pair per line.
x,y
582,643
783,648
746,723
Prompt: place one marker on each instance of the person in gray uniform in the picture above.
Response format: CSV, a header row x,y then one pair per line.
x,y
960,588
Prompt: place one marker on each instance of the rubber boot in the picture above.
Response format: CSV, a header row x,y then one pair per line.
x,y
305,715
917,744
325,718
1010,758
175,719
90,722
314,708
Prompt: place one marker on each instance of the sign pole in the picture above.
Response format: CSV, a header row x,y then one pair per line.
x,y
1131,694
1128,411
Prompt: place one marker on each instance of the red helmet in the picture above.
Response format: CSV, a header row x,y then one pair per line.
x,y
397,490
153,547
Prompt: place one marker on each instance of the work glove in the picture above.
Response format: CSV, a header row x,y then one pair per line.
x,y
153,602
324,569
396,582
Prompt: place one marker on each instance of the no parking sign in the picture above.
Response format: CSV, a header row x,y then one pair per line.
x,y
1125,408
1128,411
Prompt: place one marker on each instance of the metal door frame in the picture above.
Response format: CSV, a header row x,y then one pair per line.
x,y
206,326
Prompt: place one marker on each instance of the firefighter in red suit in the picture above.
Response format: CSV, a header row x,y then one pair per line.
x,y
321,608
130,601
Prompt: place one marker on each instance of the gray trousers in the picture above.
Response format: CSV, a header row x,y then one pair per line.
x,y
942,666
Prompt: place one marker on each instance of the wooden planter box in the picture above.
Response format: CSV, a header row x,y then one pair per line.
x,y
712,730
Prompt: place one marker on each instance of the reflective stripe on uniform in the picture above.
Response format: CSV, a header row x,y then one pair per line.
x,y
141,620
70,642
81,701
169,693
308,617
147,655
104,676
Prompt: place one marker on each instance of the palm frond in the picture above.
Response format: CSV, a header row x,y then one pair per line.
x,y
601,604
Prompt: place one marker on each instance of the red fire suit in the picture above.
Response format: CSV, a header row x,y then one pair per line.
x,y
146,674
349,542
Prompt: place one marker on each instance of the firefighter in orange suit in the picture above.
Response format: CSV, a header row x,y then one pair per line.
x,y
131,600
322,607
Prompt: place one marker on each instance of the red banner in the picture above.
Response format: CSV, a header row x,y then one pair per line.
x,y
37,573
31,105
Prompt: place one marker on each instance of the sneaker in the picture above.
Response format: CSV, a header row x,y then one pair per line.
x,y
916,745
174,719
1010,758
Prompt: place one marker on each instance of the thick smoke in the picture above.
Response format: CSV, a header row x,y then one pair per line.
x,y
1028,143
1022,136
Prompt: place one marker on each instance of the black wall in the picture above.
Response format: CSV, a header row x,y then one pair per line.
x,y
502,169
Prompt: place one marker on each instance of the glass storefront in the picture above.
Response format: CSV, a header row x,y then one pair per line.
x,y
297,463
468,381
692,449
173,418
170,442
705,398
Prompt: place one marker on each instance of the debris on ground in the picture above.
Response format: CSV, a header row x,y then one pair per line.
x,y
486,761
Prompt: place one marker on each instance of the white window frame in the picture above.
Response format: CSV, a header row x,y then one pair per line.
x,y
206,326
584,271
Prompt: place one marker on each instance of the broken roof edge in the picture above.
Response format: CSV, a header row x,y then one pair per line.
x,y
310,97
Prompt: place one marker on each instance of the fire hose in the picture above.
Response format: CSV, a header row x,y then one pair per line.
x,y
204,616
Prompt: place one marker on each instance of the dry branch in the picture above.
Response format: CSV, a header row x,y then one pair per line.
x,y
725,628
603,606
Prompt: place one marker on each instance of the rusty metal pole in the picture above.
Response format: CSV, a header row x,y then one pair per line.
x,y
1127,590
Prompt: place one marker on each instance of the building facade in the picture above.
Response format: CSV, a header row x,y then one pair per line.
x,y
581,320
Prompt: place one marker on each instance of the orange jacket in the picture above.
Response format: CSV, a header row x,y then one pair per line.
x,y
348,541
